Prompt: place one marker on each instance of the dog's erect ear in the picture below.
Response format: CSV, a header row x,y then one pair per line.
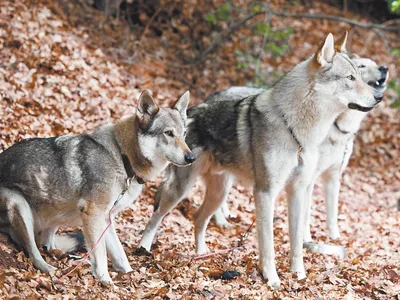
x,y
340,45
147,108
182,103
355,56
326,52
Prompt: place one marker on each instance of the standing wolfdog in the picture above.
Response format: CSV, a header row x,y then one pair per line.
x,y
334,152
72,180
268,141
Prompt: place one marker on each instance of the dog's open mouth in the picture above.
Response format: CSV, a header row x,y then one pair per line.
x,y
359,107
379,84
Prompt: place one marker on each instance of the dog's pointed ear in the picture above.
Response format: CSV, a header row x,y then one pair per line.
x,y
147,107
326,52
353,56
182,103
340,45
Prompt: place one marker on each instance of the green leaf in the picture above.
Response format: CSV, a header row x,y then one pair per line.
x,y
257,8
395,104
262,29
396,51
223,12
395,6
210,17
238,53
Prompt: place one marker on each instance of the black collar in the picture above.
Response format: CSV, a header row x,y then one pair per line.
x,y
129,170
338,128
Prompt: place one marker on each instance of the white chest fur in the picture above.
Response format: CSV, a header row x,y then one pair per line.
x,y
127,199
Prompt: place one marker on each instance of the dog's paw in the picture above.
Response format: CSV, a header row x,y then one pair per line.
x,y
122,268
334,234
299,270
141,251
104,278
269,273
307,238
202,249
273,280
275,284
223,223
44,267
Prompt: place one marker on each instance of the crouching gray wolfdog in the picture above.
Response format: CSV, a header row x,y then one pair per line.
x,y
268,141
334,152
72,180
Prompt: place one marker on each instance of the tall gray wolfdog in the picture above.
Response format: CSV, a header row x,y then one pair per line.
x,y
267,141
334,152
72,180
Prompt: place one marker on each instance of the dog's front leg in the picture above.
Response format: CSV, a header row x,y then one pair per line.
x,y
94,223
297,195
265,203
331,180
270,177
117,254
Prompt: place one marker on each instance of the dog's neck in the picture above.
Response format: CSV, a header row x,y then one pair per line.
x,y
127,134
309,117
350,121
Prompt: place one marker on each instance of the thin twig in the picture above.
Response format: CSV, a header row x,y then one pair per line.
x,y
383,38
229,250
208,255
264,41
146,28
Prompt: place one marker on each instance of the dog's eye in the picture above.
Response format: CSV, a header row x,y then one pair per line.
x,y
361,66
351,77
169,133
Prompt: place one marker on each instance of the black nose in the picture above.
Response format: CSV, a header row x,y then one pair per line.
x,y
378,97
383,68
189,158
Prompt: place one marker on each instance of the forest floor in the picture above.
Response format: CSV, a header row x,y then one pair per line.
x,y
66,68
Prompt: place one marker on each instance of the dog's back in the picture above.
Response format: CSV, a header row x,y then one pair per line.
x,y
54,169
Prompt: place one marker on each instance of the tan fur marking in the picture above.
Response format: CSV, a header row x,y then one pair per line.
x,y
126,131
181,144
340,45
315,64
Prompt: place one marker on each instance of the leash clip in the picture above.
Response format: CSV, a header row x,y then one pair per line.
x,y
123,192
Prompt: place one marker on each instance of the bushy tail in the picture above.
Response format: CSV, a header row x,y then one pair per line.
x,y
70,242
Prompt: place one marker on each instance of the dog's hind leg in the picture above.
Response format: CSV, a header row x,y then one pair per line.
x,y
176,185
218,186
117,254
331,180
222,213
21,227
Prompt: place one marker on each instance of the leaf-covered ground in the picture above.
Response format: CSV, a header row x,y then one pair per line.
x,y
65,68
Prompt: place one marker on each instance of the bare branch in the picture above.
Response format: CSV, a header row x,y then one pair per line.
x,y
336,19
223,36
